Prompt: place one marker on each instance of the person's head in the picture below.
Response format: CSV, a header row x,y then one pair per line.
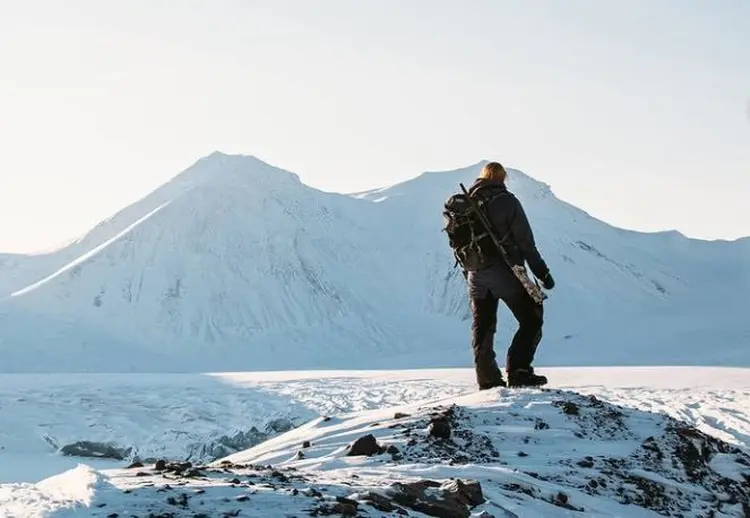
x,y
493,171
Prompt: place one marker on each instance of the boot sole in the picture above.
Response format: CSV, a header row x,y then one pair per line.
x,y
527,385
499,385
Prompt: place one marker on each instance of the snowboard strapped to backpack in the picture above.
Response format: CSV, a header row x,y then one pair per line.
x,y
474,242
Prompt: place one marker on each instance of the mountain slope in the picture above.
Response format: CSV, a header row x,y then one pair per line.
x,y
641,297
235,264
231,250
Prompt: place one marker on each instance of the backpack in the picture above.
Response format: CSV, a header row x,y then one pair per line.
x,y
473,247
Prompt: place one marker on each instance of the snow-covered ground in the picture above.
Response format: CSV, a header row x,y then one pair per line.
x,y
181,416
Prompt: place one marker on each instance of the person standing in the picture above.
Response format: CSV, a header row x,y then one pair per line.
x,y
495,281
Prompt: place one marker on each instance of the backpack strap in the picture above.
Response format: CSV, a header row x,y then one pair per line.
x,y
484,200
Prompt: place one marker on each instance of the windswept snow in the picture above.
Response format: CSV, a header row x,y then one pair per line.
x,y
565,451
236,264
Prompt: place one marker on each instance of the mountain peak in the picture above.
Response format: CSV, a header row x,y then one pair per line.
x,y
219,167
444,182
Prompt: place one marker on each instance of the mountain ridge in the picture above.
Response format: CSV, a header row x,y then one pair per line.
x,y
234,261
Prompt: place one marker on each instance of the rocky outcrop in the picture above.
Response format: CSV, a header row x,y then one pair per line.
x,y
96,450
545,450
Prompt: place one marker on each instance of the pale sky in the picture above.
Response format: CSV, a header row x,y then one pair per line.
x,y
635,110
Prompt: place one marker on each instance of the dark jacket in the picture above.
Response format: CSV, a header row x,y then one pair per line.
x,y
509,221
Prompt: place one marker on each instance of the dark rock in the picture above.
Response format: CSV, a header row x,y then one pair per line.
x,y
135,465
441,504
306,444
570,408
522,454
443,509
518,488
364,446
541,425
588,463
193,473
652,447
377,501
399,415
439,428
406,494
178,468
312,493
393,450
346,509
160,465
242,498
181,501
468,493
278,426
95,450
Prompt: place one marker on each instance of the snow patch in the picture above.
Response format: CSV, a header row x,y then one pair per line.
x,y
78,485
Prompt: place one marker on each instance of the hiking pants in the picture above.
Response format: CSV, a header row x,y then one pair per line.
x,y
521,352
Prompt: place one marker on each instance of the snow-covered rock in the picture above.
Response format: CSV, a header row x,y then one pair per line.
x,y
524,453
199,418
236,264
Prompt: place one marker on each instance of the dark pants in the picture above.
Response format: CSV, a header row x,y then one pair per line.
x,y
522,349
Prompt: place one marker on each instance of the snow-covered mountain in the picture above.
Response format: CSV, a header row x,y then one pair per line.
x,y
236,264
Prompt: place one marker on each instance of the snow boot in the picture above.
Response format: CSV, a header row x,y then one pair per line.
x,y
525,378
496,382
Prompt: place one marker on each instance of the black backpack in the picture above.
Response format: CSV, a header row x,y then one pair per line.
x,y
473,247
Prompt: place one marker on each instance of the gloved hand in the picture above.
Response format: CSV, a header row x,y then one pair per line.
x,y
548,282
